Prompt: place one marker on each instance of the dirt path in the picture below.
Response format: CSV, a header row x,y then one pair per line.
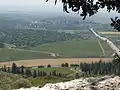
x,y
36,62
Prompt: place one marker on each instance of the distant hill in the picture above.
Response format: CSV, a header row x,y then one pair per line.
x,y
69,23
29,20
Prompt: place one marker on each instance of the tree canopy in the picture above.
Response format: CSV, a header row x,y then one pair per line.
x,y
91,7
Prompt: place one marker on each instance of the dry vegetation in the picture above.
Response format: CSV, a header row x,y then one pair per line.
x,y
111,33
36,62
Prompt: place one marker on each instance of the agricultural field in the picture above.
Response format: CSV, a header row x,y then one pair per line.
x,y
112,33
19,54
76,48
54,62
66,49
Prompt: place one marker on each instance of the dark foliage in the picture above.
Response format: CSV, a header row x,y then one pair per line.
x,y
40,66
2,45
14,68
116,23
64,65
28,73
49,66
74,65
22,70
90,7
8,70
4,68
100,68
34,74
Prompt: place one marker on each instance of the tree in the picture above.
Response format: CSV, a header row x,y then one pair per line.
x,y
14,68
116,23
8,70
91,7
40,66
18,70
4,68
34,74
49,66
66,65
62,65
28,73
54,73
22,70
2,45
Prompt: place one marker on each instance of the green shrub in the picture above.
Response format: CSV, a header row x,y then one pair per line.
x,y
21,83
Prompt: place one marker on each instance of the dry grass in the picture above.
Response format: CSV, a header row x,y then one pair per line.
x,y
112,33
36,62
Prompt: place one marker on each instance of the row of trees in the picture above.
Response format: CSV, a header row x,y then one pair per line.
x,y
88,69
100,68
29,72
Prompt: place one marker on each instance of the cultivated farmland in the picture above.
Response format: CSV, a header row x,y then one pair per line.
x,y
76,48
55,62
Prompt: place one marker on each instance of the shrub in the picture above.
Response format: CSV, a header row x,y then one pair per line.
x,y
40,66
49,66
21,83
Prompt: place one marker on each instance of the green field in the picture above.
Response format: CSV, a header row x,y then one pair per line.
x,y
58,70
19,54
66,49
73,48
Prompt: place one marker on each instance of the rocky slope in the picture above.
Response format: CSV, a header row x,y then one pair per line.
x,y
98,83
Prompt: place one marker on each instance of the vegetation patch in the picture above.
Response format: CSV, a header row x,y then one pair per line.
x,y
76,48
19,54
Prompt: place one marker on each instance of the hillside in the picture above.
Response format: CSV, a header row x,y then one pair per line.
x,y
10,81
91,83
76,48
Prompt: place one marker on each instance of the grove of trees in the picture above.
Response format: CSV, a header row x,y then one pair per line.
x,y
29,72
88,69
31,38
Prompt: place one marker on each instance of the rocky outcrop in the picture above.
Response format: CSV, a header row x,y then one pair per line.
x,y
101,83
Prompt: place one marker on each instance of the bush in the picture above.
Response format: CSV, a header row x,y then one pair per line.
x,y
21,83
41,66
49,66
64,65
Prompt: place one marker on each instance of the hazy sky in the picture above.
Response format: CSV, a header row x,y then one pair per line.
x,y
34,5
42,6
24,2
30,4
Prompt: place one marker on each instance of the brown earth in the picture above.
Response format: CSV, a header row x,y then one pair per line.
x,y
36,62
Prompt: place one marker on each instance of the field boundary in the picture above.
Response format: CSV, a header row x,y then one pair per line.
x,y
54,62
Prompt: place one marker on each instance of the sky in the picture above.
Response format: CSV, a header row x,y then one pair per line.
x,y
24,2
49,7
31,4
